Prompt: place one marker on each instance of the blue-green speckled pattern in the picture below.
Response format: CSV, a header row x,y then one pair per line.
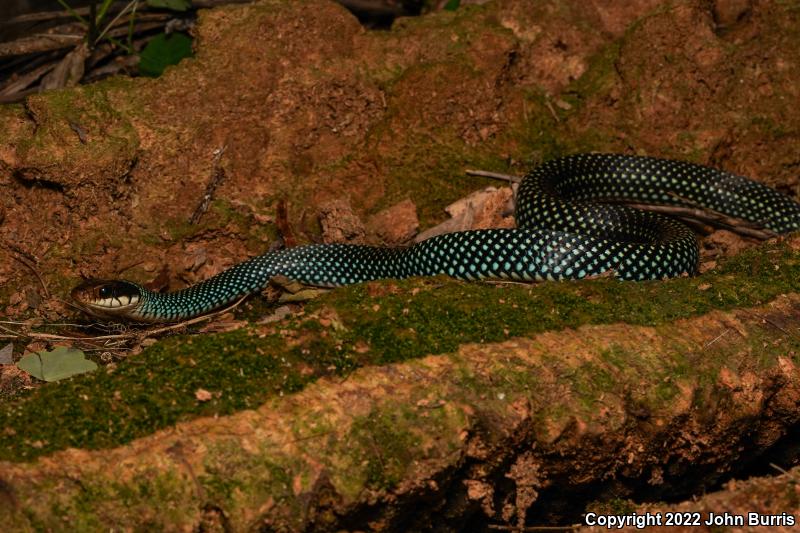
x,y
563,233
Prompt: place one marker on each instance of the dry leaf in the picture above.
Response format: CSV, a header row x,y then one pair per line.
x,y
279,314
69,71
6,354
202,395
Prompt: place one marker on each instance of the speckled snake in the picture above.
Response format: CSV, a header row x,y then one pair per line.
x,y
566,229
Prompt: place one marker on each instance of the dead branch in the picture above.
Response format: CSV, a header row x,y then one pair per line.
x,y
708,216
138,335
500,527
35,271
494,175
38,43
697,215
48,16
217,177
282,222
30,261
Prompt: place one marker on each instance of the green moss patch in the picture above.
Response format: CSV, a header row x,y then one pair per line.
x,y
122,402
437,315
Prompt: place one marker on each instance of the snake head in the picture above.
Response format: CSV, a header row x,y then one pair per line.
x,y
107,298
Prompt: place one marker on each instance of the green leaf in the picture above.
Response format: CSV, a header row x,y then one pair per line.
x,y
101,13
61,363
163,51
174,5
452,5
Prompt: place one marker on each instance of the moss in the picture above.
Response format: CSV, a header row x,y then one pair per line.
x,y
110,134
387,448
118,404
10,114
612,506
436,315
386,443
229,473
765,127
428,166
589,382
151,497
394,321
599,78
220,215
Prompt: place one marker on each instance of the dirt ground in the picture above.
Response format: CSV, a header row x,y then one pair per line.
x,y
317,114
324,110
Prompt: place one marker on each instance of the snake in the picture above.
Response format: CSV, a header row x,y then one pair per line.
x,y
571,223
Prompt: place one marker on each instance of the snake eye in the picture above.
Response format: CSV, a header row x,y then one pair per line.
x,y
105,292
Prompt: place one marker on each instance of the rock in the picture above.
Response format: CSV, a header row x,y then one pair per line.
x,y
395,225
340,224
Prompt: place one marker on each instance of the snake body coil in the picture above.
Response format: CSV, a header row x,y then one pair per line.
x,y
566,230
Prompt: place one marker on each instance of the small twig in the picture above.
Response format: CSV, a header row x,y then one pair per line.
x,y
20,84
129,266
312,436
20,251
509,282
45,16
778,468
31,265
8,330
708,216
551,109
139,334
282,222
772,323
718,337
131,5
53,324
494,175
196,319
694,215
217,176
499,527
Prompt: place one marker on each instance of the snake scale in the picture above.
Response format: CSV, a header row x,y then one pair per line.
x,y
566,229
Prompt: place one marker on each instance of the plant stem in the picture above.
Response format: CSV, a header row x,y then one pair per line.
x,y
71,11
92,33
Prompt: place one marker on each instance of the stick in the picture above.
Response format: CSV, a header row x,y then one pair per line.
x,y
499,527
708,216
141,334
21,257
38,43
693,214
217,176
116,6
282,223
494,175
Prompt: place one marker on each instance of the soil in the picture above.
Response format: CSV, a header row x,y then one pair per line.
x,y
364,137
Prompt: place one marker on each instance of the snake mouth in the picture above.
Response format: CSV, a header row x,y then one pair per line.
x,y
107,297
